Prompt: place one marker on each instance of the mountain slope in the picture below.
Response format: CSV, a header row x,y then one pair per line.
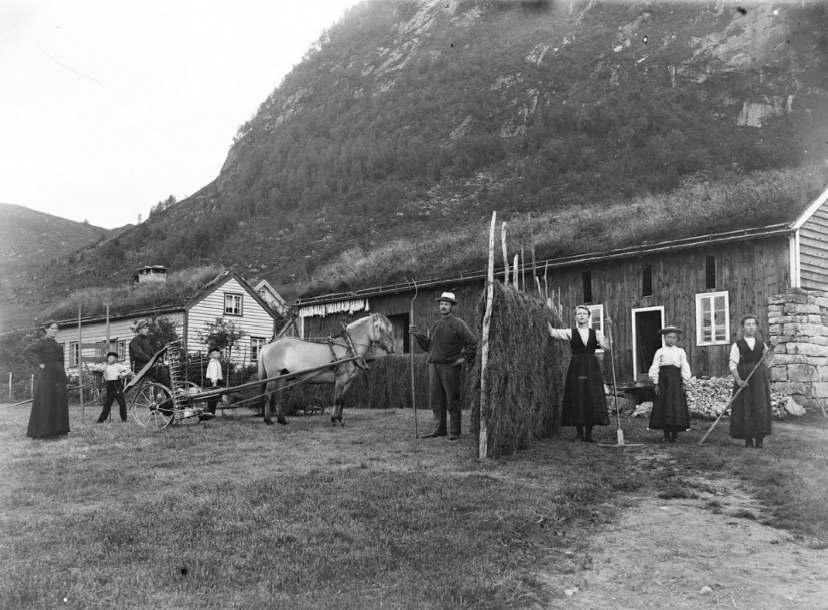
x,y
418,117
30,241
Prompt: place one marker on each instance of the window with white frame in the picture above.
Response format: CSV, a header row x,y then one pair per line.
x,y
232,304
256,345
596,317
596,320
74,353
121,350
712,318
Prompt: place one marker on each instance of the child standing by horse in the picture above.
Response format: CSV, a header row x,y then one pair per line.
x,y
670,372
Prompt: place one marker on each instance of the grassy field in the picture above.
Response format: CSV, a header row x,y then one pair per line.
x,y
235,514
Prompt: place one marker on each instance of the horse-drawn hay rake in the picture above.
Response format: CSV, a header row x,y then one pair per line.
x,y
155,406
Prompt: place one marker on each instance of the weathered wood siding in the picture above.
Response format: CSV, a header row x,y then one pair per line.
x,y
813,251
255,321
397,308
95,332
750,272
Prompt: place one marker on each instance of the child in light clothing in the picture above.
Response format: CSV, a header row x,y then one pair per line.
x,y
670,372
214,378
114,374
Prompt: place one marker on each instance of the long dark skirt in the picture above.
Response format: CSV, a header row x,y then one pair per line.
x,y
750,414
670,412
584,402
50,408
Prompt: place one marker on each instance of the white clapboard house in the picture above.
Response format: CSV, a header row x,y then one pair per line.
x,y
227,296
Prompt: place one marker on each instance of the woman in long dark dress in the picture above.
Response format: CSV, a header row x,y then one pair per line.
x,y
750,414
584,403
50,408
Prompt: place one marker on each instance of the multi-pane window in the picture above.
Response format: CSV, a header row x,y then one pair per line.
x,y
596,317
232,304
121,350
256,345
712,318
74,353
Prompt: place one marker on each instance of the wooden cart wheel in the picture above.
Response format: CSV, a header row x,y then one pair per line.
x,y
314,406
147,406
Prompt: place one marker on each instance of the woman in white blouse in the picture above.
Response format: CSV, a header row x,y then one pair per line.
x,y
669,373
584,403
750,415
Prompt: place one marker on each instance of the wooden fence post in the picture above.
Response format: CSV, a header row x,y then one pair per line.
x,y
483,437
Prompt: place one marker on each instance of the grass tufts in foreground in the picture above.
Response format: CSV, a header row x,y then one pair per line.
x,y
235,514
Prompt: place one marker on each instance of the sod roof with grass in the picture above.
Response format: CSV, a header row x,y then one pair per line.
x,y
743,205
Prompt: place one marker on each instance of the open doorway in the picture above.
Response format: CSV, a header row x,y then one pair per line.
x,y
646,322
400,323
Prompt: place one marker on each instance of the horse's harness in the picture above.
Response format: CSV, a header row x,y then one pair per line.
x,y
350,350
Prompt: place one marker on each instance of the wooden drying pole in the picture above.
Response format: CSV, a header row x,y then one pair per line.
x,y
483,438
505,255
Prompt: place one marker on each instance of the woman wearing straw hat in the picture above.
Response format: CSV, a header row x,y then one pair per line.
x,y
449,343
670,372
584,404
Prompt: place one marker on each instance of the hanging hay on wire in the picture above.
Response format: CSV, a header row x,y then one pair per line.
x,y
524,374
386,385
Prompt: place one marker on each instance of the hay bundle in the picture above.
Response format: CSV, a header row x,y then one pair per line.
x,y
524,375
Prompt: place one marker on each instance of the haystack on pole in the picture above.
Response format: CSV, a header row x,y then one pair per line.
x,y
515,279
505,254
483,438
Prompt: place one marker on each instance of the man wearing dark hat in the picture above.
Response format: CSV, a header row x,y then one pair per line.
x,y
114,374
141,352
449,343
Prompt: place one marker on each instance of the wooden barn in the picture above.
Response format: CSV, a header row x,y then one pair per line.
x,y
703,284
228,296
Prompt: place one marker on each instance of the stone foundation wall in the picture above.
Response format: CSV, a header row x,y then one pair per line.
x,y
798,322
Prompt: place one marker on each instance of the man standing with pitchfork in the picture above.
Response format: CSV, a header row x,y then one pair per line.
x,y
449,343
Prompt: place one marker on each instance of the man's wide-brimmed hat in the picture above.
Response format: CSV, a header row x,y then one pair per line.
x,y
447,296
670,329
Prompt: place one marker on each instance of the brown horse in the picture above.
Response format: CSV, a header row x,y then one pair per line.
x,y
291,355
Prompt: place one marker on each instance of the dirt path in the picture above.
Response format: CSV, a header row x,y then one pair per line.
x,y
662,553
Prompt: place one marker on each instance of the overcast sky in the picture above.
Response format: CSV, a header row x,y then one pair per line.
x,y
107,107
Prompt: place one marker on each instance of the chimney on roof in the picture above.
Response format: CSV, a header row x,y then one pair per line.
x,y
149,274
